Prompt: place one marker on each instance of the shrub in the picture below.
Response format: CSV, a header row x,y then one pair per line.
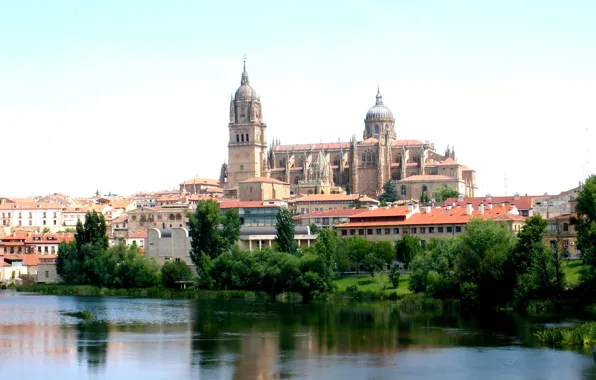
x,y
394,276
175,271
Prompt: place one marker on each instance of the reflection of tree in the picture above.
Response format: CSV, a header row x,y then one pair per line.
x,y
92,344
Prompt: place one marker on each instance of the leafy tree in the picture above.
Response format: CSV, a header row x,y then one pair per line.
x,y
348,189
407,248
206,236
389,192
93,231
424,198
326,248
530,243
394,276
46,230
432,271
443,193
173,271
314,229
231,228
285,232
585,226
357,203
97,193
483,253
382,203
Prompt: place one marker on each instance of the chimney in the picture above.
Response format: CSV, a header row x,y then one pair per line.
x,y
516,196
448,207
469,208
502,204
460,198
481,208
490,206
428,209
410,207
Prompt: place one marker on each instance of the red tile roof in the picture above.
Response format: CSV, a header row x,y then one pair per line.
x,y
331,213
263,179
139,235
246,204
332,198
383,212
523,203
407,142
448,161
427,178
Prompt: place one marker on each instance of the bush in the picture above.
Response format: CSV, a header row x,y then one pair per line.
x,y
175,271
394,276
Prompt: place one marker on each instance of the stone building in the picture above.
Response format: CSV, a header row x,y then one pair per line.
x,y
262,189
363,166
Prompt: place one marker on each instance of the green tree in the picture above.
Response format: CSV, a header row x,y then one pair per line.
x,y
483,252
348,189
314,229
432,271
389,192
284,239
97,193
424,198
46,230
93,231
174,271
443,193
204,230
357,203
231,228
585,226
407,248
326,248
394,276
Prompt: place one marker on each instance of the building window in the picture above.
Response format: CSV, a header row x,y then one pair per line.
x,y
387,231
403,189
352,232
565,226
369,231
44,222
378,231
344,233
457,228
396,231
47,273
449,229
440,230
377,129
361,232
247,137
237,138
242,138
422,230
413,230
431,230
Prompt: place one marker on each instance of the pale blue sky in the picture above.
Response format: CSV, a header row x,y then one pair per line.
x,y
133,95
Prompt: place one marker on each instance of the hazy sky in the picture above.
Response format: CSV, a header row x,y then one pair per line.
x,y
124,96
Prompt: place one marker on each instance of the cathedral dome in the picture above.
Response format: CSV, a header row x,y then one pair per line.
x,y
379,111
245,92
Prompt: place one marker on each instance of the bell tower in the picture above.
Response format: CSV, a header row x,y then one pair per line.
x,y
247,146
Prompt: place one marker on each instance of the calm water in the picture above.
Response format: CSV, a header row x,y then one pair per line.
x,y
166,339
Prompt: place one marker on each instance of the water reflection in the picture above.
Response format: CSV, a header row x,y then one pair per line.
x,y
238,340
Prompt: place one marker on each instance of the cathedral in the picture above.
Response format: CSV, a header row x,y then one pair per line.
x,y
359,167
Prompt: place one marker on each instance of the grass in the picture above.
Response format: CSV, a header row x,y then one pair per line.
x,y
367,283
583,334
572,271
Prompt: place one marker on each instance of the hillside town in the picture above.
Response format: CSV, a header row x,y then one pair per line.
x,y
340,186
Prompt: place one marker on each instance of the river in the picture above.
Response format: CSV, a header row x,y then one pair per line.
x,y
204,339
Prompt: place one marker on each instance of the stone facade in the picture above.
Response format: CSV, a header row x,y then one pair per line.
x,y
142,219
318,168
262,189
165,245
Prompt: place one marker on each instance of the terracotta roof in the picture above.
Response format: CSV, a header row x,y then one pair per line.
x,y
333,197
321,146
370,140
407,142
30,206
199,197
383,212
427,178
448,161
202,181
245,204
263,179
523,203
331,213
121,219
437,216
139,235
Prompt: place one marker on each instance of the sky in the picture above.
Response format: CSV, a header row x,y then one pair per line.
x,y
127,96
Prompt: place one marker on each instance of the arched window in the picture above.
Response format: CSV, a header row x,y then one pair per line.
x,y
247,137
367,130
237,138
363,157
403,189
296,179
178,217
424,189
336,161
369,157
242,138
172,217
377,129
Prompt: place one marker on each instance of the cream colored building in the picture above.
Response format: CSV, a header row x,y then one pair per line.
x,y
262,188
164,245
325,202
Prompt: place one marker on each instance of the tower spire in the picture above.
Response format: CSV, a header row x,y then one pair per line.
x,y
379,101
244,79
